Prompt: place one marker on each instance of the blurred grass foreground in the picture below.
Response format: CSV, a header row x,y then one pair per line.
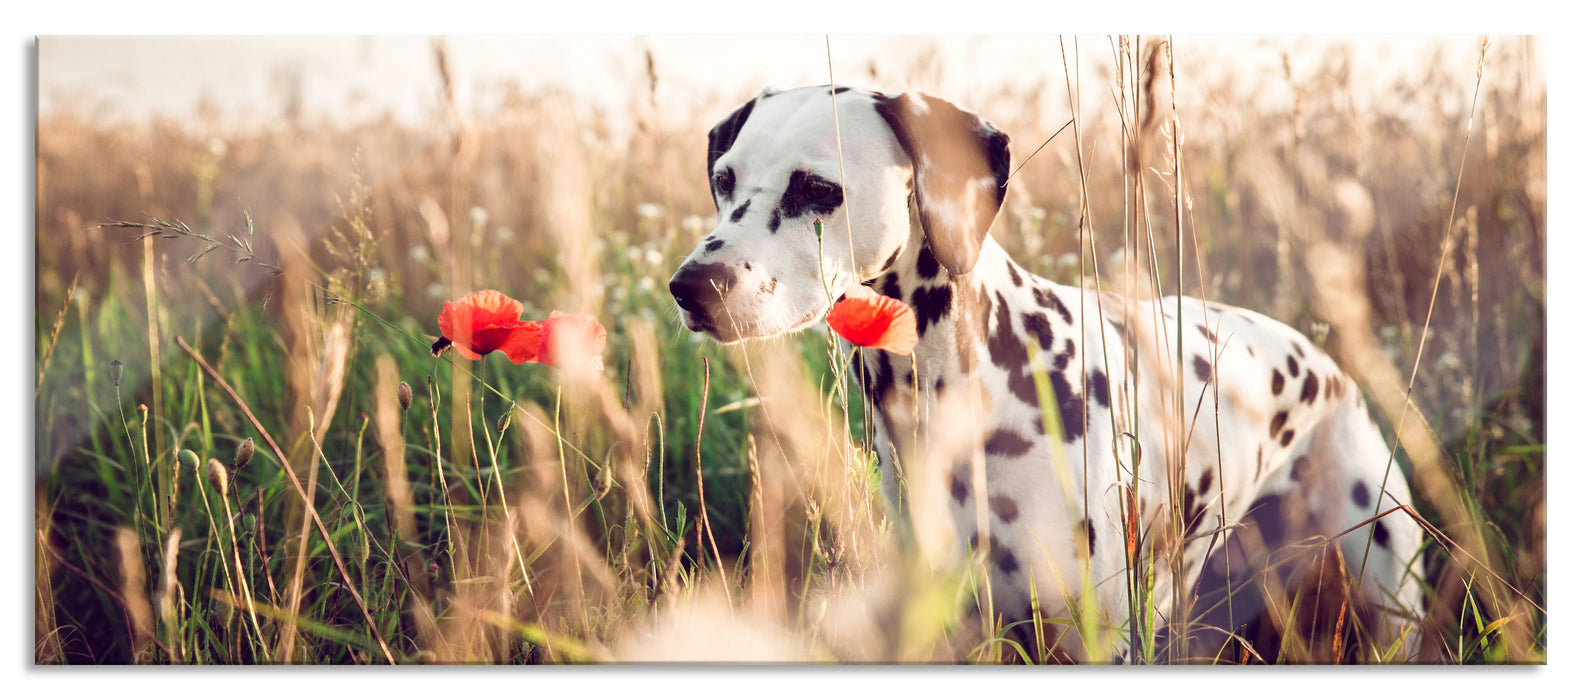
x,y
245,452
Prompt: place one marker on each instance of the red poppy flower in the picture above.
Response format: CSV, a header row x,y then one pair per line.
x,y
572,340
485,321
872,320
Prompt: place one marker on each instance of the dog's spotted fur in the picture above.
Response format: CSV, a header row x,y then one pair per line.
x,y
1284,443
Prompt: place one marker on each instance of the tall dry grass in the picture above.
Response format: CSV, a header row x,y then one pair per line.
x,y
665,510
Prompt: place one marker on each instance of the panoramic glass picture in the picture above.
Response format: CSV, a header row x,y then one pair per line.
x,y
1121,350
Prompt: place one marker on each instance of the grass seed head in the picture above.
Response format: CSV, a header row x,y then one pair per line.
x,y
244,454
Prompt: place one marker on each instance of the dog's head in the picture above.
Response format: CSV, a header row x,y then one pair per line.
x,y
775,166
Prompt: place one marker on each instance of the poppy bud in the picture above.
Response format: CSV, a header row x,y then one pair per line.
x,y
244,454
219,478
404,395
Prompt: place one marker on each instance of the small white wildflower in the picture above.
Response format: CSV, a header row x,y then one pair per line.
x,y
436,290
377,274
417,254
1067,260
1448,361
653,257
599,246
692,224
478,217
1036,213
541,275
649,210
646,284
618,293
503,234
217,147
634,253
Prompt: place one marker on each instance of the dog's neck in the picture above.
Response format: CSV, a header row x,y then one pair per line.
x,y
952,315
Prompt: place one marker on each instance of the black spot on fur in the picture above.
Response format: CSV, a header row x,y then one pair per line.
x,y
741,211
714,245
807,194
958,486
890,261
1005,348
1207,333
930,304
1117,326
880,380
1381,536
1266,512
1004,507
1048,299
1201,367
889,285
1063,357
1099,387
1309,388
1299,469
1298,347
1277,385
1016,277
1278,423
1290,364
774,221
1205,481
1006,443
1072,407
1285,437
1038,326
1359,494
1092,536
1006,561
927,265
1191,512
1257,462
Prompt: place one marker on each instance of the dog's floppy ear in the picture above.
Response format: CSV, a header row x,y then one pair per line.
x,y
723,135
959,167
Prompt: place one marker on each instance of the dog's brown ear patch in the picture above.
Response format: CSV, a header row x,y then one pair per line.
x,y
959,163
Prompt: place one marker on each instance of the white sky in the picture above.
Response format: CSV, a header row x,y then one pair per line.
x,y
355,77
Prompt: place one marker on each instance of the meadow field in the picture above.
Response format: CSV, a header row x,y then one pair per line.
x,y
245,451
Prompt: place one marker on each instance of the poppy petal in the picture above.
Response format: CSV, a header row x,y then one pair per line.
x,y
871,320
572,339
524,343
480,323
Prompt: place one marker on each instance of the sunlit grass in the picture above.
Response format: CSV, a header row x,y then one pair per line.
x,y
513,514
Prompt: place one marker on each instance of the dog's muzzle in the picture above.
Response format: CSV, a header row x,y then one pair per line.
x,y
700,292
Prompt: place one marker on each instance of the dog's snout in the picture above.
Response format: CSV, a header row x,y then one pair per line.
x,y
699,289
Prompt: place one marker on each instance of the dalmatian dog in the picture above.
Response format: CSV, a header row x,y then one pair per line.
x,y
1055,494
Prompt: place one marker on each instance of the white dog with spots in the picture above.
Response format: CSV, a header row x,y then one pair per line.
x,y
1276,435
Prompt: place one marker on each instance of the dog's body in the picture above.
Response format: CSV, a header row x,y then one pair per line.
x,y
1285,438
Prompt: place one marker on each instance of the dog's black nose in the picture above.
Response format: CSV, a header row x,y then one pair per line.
x,y
700,289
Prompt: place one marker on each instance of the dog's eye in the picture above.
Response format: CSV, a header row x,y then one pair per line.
x,y
818,189
723,182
